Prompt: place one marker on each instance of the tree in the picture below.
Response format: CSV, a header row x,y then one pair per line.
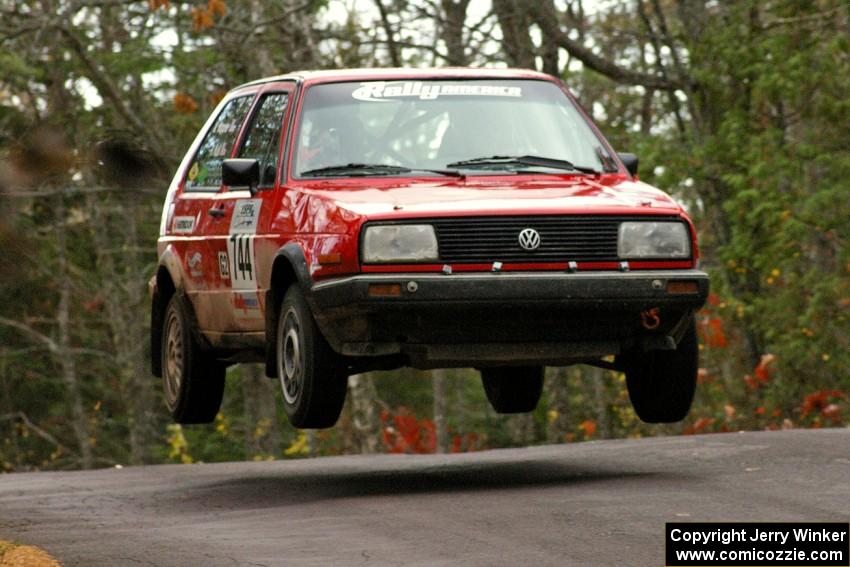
x,y
737,108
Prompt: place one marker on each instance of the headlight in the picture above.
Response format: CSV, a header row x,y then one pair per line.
x,y
644,239
400,242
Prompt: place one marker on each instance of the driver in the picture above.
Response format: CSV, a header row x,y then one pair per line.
x,y
329,140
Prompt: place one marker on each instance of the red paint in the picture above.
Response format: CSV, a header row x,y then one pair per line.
x,y
323,217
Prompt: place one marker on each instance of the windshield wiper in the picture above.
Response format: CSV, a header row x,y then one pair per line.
x,y
357,168
523,160
361,169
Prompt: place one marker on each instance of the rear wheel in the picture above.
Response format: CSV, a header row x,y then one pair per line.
x,y
193,384
662,383
312,378
513,389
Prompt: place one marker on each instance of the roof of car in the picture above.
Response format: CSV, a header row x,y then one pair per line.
x,y
340,75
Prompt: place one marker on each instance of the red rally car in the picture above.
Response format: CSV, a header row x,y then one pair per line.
x,y
335,222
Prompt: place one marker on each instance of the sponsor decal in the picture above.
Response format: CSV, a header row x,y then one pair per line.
x,y
227,127
223,266
193,171
382,91
202,175
183,225
240,251
245,215
240,244
246,304
194,263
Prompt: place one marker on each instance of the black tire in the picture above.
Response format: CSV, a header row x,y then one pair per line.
x,y
662,383
513,389
193,382
312,377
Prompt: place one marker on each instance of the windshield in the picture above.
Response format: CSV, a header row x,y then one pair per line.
x,y
420,125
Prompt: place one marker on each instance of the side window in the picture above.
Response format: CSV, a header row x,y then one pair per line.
x,y
205,171
262,142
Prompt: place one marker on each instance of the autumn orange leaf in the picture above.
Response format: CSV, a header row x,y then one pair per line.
x,y
763,370
588,427
464,443
216,96
92,305
184,103
216,8
711,329
201,19
407,434
818,401
699,426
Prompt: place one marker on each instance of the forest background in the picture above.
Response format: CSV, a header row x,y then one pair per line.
x,y
739,109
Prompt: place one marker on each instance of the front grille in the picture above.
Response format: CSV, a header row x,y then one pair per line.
x,y
577,238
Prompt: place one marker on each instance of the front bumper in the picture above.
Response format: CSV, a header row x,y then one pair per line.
x,y
500,318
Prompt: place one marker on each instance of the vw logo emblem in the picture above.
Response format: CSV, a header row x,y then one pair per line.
x,y
529,239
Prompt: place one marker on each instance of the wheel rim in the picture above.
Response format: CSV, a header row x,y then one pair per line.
x,y
290,357
173,359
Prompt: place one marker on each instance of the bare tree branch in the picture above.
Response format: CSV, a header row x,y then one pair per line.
x,y
430,48
28,423
249,32
19,415
797,20
36,336
392,46
81,191
546,16
659,63
109,90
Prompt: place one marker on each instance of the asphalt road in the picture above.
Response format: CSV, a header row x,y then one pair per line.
x,y
588,504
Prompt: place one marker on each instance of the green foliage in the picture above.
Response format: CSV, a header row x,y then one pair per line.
x,y
755,146
761,164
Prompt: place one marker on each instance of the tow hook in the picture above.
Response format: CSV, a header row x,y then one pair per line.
x,y
650,319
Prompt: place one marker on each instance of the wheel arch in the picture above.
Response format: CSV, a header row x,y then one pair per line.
x,y
163,289
167,281
289,267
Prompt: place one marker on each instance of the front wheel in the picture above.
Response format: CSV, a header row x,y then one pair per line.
x,y
513,389
313,380
193,384
662,383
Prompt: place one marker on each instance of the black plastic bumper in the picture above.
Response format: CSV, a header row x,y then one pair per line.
x,y
500,316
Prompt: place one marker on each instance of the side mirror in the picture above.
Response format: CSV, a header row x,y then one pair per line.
x,y
237,173
630,161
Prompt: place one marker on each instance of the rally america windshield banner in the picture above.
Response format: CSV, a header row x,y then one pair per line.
x,y
381,91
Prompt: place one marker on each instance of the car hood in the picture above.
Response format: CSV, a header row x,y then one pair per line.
x,y
453,197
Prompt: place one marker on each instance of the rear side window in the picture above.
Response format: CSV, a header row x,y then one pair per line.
x,y
262,142
205,171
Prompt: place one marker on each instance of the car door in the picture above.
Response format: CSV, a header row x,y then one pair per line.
x,y
239,238
190,216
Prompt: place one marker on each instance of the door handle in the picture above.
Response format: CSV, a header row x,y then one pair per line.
x,y
217,213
